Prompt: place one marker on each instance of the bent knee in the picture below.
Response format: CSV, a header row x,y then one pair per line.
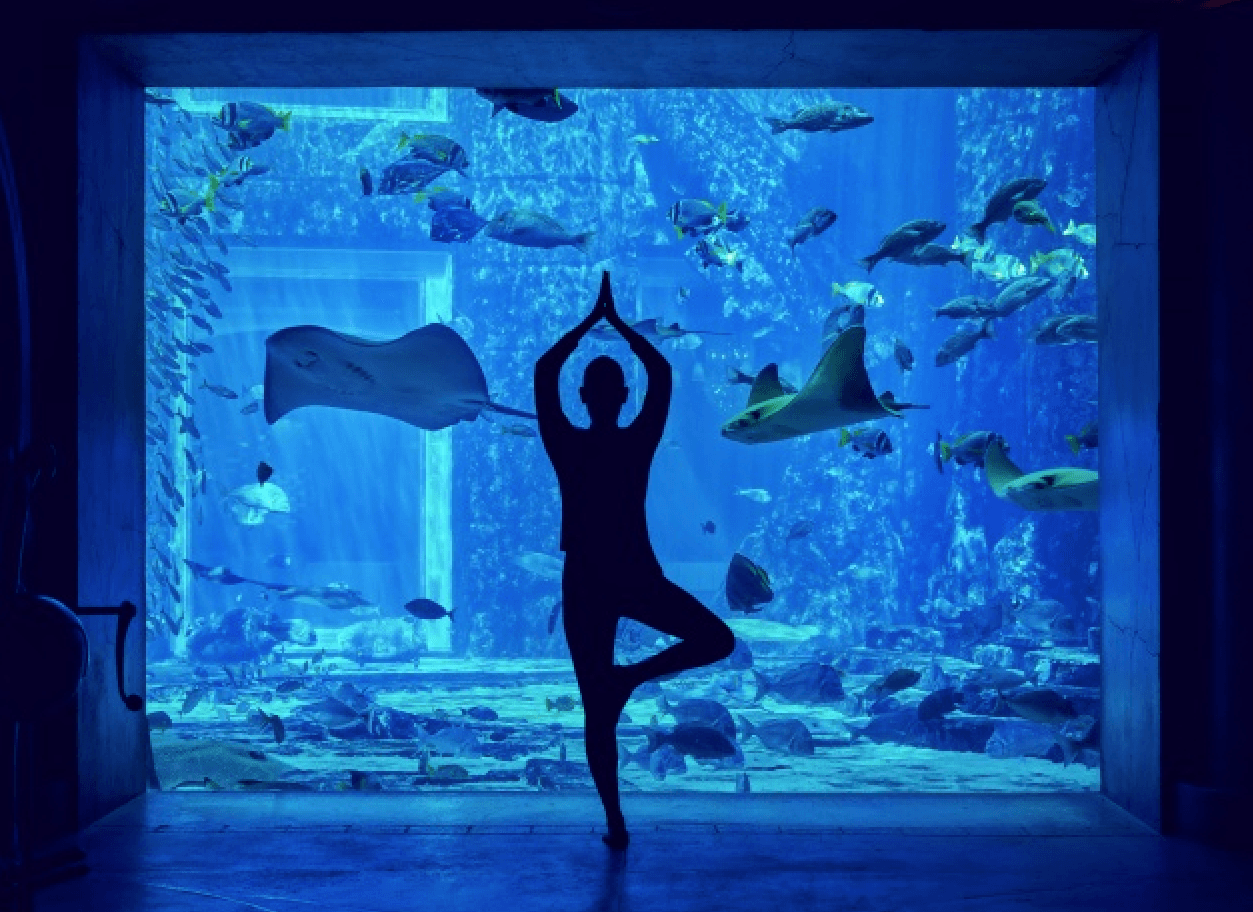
x,y
723,640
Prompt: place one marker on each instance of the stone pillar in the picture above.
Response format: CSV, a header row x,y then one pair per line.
x,y
1127,266
111,529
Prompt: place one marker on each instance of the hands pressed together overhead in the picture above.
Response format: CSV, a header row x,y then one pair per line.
x,y
604,307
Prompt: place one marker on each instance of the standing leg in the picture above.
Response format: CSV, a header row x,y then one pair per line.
x,y
600,738
704,637
590,629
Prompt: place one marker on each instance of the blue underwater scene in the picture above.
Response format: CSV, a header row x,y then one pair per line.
x,y
879,464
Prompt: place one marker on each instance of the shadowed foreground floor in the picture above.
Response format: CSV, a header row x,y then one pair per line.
x,y
378,853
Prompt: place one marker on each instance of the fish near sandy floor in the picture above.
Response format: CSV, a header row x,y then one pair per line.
x,y
790,736
706,712
694,739
811,682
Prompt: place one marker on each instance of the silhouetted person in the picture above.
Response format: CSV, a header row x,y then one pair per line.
x,y
611,571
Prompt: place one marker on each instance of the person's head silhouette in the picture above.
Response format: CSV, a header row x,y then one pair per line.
x,y
604,391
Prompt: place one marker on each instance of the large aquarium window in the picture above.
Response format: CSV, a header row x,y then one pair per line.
x,y
879,463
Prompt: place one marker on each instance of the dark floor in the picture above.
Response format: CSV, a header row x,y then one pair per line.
x,y
378,853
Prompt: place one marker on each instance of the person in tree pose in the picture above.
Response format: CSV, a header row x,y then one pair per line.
x,y
610,570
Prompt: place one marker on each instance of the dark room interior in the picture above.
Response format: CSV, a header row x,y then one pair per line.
x,y
1153,815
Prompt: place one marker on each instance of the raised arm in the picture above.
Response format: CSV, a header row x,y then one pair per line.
x,y
548,368
652,416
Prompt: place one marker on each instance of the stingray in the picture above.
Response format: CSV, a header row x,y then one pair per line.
x,y
1046,490
337,595
428,378
837,394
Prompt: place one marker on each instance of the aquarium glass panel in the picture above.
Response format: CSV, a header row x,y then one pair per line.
x,y
878,465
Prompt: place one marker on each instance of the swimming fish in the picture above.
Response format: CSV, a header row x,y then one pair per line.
x,y
1000,205
1066,329
903,240
1086,439
799,529
811,682
812,224
528,228
694,739
544,105
703,711
1084,234
695,217
437,149
222,391
428,610
249,123
1030,212
968,449
963,342
837,394
1041,704
1020,293
545,566
896,680
747,585
428,378
1046,490
716,253
866,442
791,736
409,175
934,255
904,357
966,306
829,117
858,292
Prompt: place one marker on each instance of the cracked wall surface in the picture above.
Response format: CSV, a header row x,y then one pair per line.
x,y
1127,251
